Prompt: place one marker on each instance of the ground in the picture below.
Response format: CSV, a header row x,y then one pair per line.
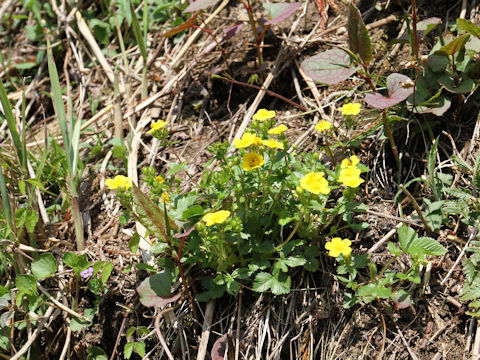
x,y
310,322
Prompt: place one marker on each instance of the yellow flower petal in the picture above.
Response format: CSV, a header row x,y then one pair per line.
x,y
245,141
353,161
277,130
323,125
338,246
351,109
272,143
315,183
264,114
350,176
156,126
217,217
159,179
119,181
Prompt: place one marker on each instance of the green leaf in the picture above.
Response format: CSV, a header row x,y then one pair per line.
x,y
454,46
406,235
329,67
278,285
11,123
128,349
138,33
462,194
150,215
358,38
155,290
159,248
374,290
394,250
140,347
296,260
134,242
107,270
469,27
77,262
44,266
430,246
96,353
26,284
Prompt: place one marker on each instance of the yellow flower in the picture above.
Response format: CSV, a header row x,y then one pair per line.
x,y
252,161
353,161
323,125
159,179
272,143
351,109
338,246
119,181
217,217
245,141
315,183
350,176
156,126
165,197
264,114
277,130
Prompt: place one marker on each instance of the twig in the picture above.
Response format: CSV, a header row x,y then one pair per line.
x,y
473,322
120,331
239,315
450,272
60,305
383,240
476,345
409,349
202,347
159,334
196,34
67,344
32,338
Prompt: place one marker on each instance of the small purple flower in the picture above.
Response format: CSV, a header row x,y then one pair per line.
x,y
87,273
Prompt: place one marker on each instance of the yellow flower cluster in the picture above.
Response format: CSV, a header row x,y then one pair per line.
x,y
315,183
351,109
156,126
159,179
264,114
217,217
338,246
323,125
252,161
350,173
119,182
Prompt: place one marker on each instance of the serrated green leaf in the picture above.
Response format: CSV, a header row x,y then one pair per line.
x,y
131,330
394,250
471,291
150,215
26,284
430,246
406,235
96,353
358,38
462,194
140,348
44,266
128,349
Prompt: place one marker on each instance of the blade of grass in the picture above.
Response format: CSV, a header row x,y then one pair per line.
x,y
12,127
59,105
5,199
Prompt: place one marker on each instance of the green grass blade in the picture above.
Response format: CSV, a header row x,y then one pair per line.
x,y
138,33
59,105
5,199
12,126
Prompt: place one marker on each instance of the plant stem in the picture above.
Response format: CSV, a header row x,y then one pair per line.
x,y
387,265
416,207
297,225
389,133
78,223
414,29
